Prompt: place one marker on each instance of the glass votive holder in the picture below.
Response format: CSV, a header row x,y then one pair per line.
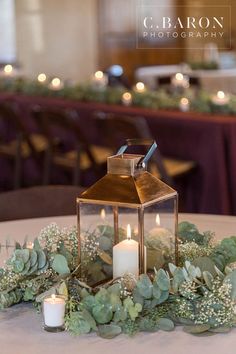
x,y
54,313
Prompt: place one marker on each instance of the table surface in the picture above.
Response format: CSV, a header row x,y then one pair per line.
x,y
21,328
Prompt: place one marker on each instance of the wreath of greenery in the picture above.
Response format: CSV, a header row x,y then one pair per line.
x,y
199,294
200,101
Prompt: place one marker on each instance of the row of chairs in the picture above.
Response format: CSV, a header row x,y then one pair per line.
x,y
59,141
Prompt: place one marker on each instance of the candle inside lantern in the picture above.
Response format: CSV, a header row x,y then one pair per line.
x,y
127,99
103,214
220,98
42,78
54,311
56,84
126,256
180,81
140,87
184,104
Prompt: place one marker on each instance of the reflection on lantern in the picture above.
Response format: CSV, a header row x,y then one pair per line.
x,y
131,196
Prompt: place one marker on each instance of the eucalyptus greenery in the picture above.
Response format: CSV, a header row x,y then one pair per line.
x,y
200,101
199,294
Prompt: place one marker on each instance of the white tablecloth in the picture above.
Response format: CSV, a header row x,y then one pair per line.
x,y
210,80
21,328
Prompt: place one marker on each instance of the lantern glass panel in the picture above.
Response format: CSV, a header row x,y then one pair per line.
x,y
160,234
96,242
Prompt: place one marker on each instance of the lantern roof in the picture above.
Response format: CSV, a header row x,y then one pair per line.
x,y
136,190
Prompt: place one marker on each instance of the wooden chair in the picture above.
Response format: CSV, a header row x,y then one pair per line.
x,y
118,128
40,201
68,148
16,142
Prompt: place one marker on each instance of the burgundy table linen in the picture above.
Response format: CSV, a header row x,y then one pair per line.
x,y
208,140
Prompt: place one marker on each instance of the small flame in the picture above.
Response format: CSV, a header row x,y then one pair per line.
x,y
56,82
99,74
128,232
184,101
221,94
53,296
42,77
179,76
158,221
103,214
8,69
140,87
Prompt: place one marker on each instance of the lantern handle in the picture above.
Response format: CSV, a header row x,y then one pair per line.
x,y
140,142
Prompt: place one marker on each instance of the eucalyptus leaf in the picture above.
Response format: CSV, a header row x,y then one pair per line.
x,y
162,279
60,265
102,313
109,331
144,286
196,329
165,324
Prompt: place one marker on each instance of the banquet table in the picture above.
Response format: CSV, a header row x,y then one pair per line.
x,y
208,140
21,329
210,80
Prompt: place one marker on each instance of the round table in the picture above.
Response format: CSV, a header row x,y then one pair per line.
x,y
21,327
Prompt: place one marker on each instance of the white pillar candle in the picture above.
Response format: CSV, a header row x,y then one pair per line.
x,y
54,311
126,256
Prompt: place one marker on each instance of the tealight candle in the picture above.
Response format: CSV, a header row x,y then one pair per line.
x,y
126,256
220,99
140,87
100,80
127,99
42,78
184,104
56,84
54,313
180,81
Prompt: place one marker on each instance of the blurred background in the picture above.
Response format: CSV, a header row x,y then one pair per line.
x,y
74,84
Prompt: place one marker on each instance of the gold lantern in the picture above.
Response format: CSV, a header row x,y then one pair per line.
x,y
127,221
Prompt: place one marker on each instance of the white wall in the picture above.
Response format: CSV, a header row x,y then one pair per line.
x,y
58,37
7,31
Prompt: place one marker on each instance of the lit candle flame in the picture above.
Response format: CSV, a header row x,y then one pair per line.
x,y
158,221
53,296
184,101
99,75
56,82
140,87
127,96
103,214
221,94
8,69
128,232
179,76
42,77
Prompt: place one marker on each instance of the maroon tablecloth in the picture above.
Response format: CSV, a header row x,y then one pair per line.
x,y
208,140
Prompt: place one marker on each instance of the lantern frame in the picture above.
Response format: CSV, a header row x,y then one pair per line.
x,y
128,185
